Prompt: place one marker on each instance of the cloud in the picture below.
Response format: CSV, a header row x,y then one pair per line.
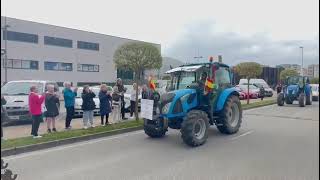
x,y
205,39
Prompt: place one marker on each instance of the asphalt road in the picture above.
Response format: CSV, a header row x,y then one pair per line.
x,y
274,143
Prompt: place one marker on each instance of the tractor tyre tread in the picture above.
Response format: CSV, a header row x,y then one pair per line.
x,y
225,128
188,125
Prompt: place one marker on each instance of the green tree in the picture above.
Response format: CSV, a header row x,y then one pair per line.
x,y
137,57
288,72
314,80
248,70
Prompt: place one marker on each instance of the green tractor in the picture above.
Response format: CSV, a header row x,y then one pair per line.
x,y
191,107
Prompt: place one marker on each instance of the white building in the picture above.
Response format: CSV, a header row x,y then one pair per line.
x,y
290,66
313,70
46,52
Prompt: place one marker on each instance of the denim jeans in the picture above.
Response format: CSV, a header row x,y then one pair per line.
x,y
87,116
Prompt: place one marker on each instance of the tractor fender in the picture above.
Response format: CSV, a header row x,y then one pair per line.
x,y
224,96
307,89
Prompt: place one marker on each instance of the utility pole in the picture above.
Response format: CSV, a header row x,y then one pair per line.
x,y
301,47
5,30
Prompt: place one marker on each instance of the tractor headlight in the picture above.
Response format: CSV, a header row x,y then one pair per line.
x,y
165,108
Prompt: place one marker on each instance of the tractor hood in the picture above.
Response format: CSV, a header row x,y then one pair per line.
x,y
291,89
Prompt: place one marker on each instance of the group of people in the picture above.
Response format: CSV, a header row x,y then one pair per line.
x,y
47,105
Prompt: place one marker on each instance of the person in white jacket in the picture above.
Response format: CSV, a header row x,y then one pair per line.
x,y
133,99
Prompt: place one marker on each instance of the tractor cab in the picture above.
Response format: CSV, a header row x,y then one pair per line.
x,y
187,76
198,95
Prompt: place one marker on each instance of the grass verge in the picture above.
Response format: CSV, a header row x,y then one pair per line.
x,y
258,104
25,141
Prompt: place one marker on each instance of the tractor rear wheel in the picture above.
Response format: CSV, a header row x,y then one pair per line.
x,y
230,118
301,100
308,99
194,129
280,100
155,129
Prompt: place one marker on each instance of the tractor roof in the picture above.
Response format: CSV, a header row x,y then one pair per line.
x,y
194,67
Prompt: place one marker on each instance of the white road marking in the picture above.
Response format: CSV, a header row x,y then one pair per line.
x,y
241,135
33,153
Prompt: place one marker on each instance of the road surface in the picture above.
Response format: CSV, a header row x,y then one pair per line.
x,y
273,143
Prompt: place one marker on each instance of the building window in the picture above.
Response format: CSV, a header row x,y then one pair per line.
x,y
18,36
88,45
124,74
57,66
22,64
88,68
54,41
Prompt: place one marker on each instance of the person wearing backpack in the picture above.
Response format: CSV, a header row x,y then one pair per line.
x,y
88,106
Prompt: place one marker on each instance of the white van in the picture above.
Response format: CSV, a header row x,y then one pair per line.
x,y
258,83
16,94
315,92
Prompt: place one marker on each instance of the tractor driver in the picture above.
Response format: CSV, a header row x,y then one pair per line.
x,y
203,94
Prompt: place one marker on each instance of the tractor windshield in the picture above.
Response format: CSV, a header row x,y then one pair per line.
x,y
180,80
222,76
295,80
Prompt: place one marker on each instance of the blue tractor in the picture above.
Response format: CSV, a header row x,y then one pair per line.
x,y
188,106
295,88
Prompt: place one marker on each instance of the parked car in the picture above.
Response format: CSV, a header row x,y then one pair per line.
x,y
259,82
16,94
78,112
253,91
315,92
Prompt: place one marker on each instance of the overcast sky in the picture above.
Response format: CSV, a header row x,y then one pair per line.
x,y
266,31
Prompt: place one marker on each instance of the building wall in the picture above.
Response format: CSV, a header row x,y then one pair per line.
x,y
313,70
41,52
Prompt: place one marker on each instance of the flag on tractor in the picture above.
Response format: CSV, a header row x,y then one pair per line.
x,y
209,84
152,84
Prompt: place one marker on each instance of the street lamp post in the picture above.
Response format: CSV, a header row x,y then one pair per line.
x,y
301,47
5,30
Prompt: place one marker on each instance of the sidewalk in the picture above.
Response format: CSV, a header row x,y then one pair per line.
x,y
17,131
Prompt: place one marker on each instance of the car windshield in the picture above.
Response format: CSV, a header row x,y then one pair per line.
x,y
314,88
94,90
20,88
244,87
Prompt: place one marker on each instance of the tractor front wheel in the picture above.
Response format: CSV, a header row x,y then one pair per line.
x,y
301,100
230,118
194,129
155,128
280,99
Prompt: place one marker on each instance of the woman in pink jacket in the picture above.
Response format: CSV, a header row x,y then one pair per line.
x,y
35,102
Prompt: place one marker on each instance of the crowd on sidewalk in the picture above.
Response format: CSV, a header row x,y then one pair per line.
x,y
47,105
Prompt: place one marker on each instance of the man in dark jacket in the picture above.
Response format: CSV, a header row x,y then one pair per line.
x,y
121,90
262,91
3,113
88,106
